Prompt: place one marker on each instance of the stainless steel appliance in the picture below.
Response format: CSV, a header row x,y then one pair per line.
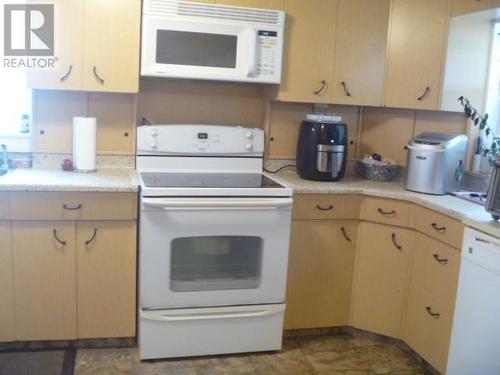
x,y
185,39
214,237
322,148
493,201
436,162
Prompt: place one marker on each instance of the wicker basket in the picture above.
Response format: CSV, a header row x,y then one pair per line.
x,y
378,172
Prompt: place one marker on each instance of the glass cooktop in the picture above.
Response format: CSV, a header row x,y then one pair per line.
x,y
208,180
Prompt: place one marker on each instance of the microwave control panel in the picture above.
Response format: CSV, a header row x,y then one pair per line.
x,y
268,44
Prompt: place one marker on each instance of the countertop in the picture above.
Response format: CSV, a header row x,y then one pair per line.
x,y
471,214
104,180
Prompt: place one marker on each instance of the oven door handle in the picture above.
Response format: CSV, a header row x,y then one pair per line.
x,y
164,316
200,204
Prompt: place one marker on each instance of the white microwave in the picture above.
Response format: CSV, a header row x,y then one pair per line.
x,y
184,39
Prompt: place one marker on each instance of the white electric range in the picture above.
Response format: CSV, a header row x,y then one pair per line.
x,y
214,237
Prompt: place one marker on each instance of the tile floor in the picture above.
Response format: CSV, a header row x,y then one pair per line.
x,y
344,353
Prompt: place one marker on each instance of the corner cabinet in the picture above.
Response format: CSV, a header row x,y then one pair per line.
x,y
416,53
309,51
360,52
97,47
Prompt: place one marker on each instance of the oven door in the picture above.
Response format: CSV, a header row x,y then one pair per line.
x,y
197,50
213,251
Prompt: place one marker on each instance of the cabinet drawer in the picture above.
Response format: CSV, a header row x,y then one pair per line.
x,y
427,327
386,211
4,205
438,226
73,206
436,267
326,206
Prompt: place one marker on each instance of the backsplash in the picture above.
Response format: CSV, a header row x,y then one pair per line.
x,y
54,161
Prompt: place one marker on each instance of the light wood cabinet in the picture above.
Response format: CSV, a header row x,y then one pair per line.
x,y
7,317
106,278
427,328
386,211
326,206
265,4
44,280
320,272
68,31
97,48
416,53
381,278
360,52
309,51
438,226
111,45
460,7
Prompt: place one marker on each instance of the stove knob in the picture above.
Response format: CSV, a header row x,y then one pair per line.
x,y
249,135
249,146
153,132
153,145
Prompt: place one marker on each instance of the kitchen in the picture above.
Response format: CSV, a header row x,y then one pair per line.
x,y
198,180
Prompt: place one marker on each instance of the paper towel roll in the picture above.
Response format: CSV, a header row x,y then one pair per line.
x,y
84,144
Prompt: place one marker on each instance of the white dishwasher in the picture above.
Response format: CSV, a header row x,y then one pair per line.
x,y
475,340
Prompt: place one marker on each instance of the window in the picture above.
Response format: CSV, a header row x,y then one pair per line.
x,y
493,93
15,101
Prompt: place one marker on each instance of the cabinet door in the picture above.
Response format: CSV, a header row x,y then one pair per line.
x,y
417,44
459,7
265,4
111,45
7,323
309,51
320,273
44,280
68,39
360,52
106,281
381,278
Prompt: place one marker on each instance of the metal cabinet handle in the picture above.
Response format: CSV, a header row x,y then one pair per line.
x,y
66,76
344,233
437,228
66,207
395,242
98,79
440,260
321,88
346,90
429,311
92,238
328,208
386,213
58,239
424,95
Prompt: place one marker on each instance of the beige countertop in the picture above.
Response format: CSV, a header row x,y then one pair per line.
x,y
471,214
104,180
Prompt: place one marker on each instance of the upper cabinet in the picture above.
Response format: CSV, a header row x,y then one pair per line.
x,y
360,52
111,45
96,45
309,51
459,7
416,50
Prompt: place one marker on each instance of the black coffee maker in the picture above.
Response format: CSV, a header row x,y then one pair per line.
x,y
322,148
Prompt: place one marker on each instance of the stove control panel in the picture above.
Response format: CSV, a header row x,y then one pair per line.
x,y
199,140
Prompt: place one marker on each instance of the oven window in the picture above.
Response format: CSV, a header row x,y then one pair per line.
x,y
196,49
215,263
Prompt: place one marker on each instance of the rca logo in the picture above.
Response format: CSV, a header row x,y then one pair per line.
x,y
421,157
28,29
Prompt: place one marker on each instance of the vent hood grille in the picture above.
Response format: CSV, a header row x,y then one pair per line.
x,y
212,11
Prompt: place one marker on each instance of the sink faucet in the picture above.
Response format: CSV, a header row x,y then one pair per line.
x,y
5,157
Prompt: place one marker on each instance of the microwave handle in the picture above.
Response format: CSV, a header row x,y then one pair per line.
x,y
252,52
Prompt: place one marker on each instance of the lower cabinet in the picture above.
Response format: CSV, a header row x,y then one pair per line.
x,y
381,278
320,270
428,323
44,280
7,320
106,269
